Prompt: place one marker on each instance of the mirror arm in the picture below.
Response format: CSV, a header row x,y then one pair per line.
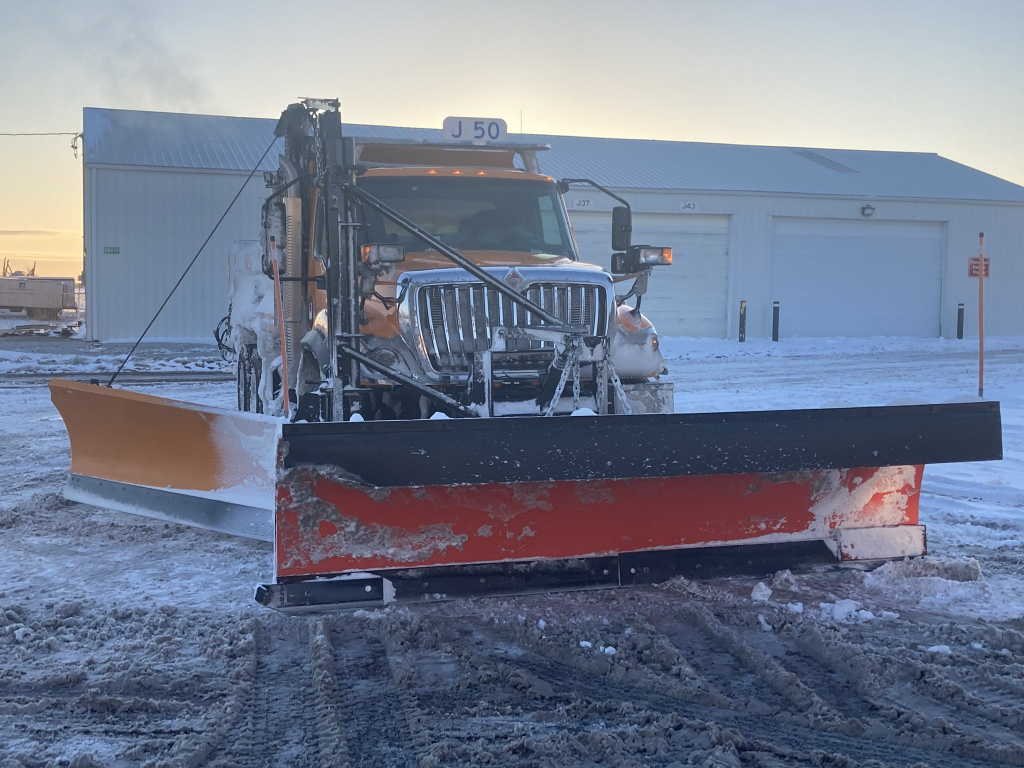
x,y
564,186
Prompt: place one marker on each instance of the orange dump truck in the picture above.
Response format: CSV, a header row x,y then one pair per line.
x,y
437,395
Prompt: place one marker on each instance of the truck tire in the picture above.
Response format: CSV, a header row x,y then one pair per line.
x,y
255,377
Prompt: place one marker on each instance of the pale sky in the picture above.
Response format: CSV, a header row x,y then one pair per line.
x,y
943,76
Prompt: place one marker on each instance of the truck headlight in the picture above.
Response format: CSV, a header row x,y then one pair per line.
x,y
382,253
653,257
639,258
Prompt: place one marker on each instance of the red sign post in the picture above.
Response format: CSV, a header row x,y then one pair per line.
x,y
978,266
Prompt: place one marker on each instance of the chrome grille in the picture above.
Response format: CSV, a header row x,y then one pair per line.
x,y
457,319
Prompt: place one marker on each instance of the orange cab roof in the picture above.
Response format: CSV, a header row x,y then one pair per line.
x,y
493,173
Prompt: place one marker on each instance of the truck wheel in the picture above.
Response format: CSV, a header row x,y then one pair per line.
x,y
255,376
242,381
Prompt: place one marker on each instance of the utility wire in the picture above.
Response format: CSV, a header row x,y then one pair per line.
x,y
215,226
67,133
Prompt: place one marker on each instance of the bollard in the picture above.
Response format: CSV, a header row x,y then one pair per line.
x,y
775,321
960,321
743,321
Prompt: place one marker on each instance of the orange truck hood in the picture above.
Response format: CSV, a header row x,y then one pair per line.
x,y
419,260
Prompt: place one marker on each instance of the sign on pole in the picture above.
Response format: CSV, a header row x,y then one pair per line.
x,y
972,266
979,268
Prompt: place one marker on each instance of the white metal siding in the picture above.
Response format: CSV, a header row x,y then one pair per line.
x,y
158,219
687,298
857,278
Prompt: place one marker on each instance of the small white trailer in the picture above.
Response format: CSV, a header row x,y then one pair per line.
x,y
41,298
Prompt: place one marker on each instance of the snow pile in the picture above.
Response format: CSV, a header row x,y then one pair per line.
x,y
760,593
933,583
783,580
845,611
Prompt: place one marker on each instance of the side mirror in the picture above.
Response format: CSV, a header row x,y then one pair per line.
x,y
622,228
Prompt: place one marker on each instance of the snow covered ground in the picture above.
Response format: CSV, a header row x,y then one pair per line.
x,y
124,641
54,356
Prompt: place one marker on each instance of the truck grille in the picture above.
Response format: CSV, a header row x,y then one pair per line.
x,y
456,320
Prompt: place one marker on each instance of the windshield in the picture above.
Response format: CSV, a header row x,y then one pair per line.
x,y
472,213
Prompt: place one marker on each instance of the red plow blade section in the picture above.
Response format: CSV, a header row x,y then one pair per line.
x,y
339,527
375,511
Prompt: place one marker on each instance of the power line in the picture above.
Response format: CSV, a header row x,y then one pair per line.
x,y
65,133
191,263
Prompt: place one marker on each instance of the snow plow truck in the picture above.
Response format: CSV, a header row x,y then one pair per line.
x,y
437,397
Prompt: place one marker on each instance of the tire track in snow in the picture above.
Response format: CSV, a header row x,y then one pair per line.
x,y
880,678
276,725
369,702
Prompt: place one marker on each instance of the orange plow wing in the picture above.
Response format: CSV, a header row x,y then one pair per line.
x,y
169,459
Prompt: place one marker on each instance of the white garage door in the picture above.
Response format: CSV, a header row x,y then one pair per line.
x,y
856,278
687,298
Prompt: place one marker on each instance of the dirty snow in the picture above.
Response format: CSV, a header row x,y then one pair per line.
x,y
74,357
126,641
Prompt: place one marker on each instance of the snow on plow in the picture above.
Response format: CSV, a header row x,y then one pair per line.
x,y
370,512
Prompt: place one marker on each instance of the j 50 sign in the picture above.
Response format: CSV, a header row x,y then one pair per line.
x,y
479,130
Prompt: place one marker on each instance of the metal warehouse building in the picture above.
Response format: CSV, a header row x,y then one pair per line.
x,y
849,242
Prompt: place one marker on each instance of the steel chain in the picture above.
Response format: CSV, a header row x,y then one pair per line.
x,y
573,355
620,393
576,381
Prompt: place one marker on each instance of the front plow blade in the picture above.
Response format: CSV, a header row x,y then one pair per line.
x,y
378,511
170,460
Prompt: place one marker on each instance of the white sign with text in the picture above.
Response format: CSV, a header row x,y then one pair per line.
x,y
479,130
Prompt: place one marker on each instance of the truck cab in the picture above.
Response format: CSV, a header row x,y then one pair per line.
x,y
429,320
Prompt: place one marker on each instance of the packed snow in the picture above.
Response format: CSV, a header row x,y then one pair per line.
x,y
128,641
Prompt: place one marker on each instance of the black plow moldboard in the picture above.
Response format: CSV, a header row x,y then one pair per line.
x,y
534,449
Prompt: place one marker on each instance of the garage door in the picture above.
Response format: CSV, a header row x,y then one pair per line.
x,y
687,298
856,278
